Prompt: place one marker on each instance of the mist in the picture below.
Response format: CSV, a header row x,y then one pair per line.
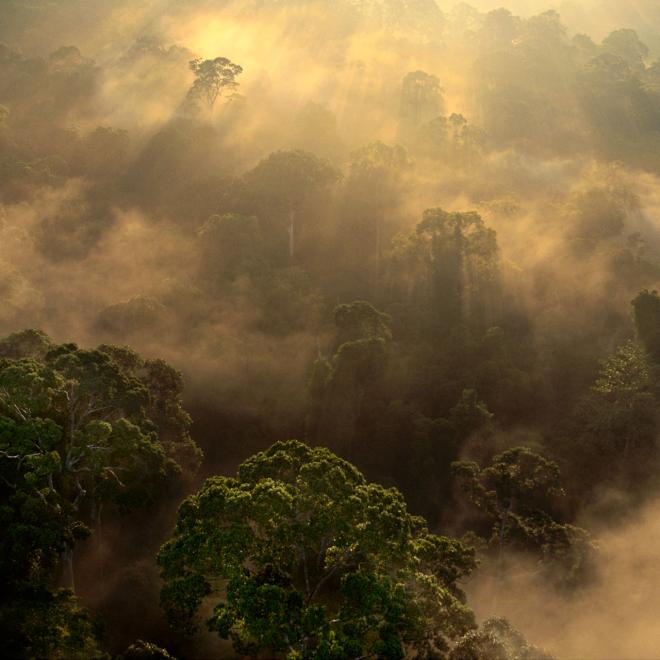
x,y
611,618
421,234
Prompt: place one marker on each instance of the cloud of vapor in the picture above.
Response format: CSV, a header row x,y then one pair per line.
x,y
111,251
292,55
613,617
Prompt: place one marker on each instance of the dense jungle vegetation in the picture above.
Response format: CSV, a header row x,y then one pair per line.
x,y
329,329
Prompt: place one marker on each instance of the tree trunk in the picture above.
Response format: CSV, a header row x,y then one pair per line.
x,y
499,576
379,254
100,550
292,220
67,568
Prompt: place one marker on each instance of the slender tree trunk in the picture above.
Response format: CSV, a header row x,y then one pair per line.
x,y
99,543
67,568
379,254
504,518
292,221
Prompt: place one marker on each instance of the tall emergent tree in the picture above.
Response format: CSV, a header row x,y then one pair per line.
x,y
277,188
80,430
518,492
373,195
448,268
421,99
212,78
340,386
306,559
613,431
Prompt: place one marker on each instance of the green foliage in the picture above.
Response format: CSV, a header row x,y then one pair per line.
x,y
470,414
342,384
39,623
141,650
447,268
518,493
310,560
496,639
624,376
515,476
613,428
240,241
79,430
26,343
360,320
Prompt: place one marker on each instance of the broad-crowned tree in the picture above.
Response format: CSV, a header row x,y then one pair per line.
x,y
277,188
522,71
231,247
138,316
612,432
447,268
518,492
47,90
306,559
212,78
29,343
79,430
500,27
341,385
38,622
373,195
360,320
421,99
626,44
621,109
599,213
450,140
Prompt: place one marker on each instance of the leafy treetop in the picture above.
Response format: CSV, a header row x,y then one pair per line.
x,y
309,560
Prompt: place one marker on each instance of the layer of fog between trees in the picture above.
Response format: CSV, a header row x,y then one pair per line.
x,y
538,121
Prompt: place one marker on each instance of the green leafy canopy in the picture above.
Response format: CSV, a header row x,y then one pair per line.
x,y
306,559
